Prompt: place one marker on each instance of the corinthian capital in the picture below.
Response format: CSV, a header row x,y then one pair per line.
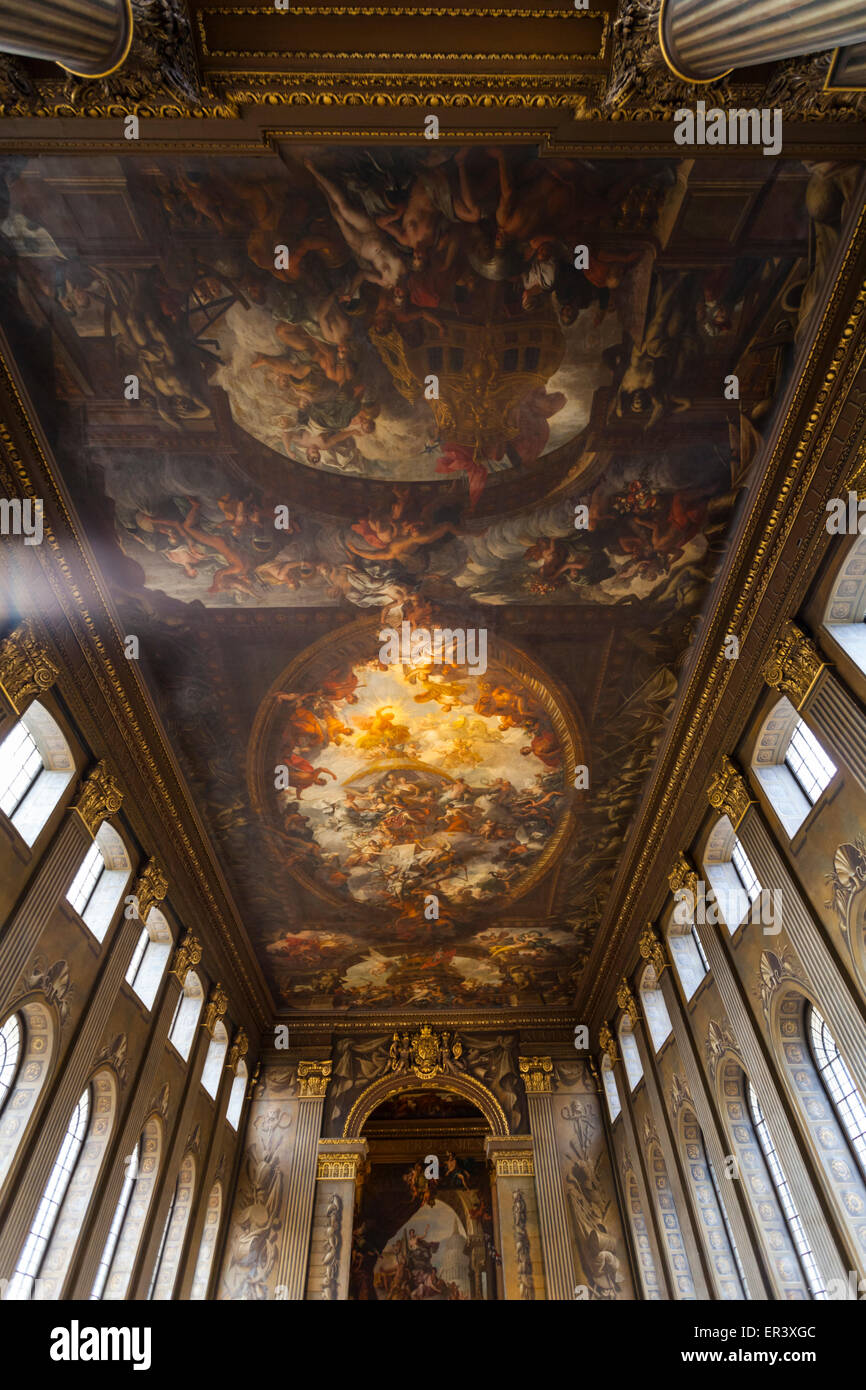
x,y
795,664
727,792
100,797
537,1073
26,669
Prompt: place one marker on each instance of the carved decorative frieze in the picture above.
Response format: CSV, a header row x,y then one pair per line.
x,y
313,1078
727,792
186,956
515,1165
26,669
794,666
100,797
537,1073
339,1165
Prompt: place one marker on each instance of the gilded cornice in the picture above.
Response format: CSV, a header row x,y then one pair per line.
x,y
727,792
100,797
765,576
26,669
794,666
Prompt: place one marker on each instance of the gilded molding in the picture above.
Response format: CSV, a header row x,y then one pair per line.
x,y
537,1073
338,1165
682,876
26,669
607,1042
727,792
218,1002
100,797
653,950
795,664
313,1078
627,1001
150,888
187,955
514,1165
238,1050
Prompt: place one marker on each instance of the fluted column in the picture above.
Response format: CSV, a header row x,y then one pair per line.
x,y
100,797
89,37
780,1121
297,1227
652,949
704,39
559,1274
141,1104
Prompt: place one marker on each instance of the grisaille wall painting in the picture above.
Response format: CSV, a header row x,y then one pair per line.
x,y
375,386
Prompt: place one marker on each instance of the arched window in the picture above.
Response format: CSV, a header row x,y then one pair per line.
x,y
790,765
27,1053
130,1175
167,1262
609,1082
97,888
150,957
630,1054
811,1273
655,1008
731,876
186,1014
686,951
129,1223
206,1249
236,1096
714,1225
845,614
10,1051
36,767
839,1084
213,1063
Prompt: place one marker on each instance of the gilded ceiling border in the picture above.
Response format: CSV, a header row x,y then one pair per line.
x,y
739,605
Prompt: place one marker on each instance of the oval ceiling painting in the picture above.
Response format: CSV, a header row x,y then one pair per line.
x,y
388,780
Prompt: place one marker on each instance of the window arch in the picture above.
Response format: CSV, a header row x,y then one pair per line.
x,y
98,885
790,765
686,952
838,1084
150,957
845,613
10,1053
167,1262
120,1264
35,1040
213,1063
655,1008
629,1050
207,1248
609,1081
36,767
714,1225
186,1015
807,1261
47,1252
236,1096
731,876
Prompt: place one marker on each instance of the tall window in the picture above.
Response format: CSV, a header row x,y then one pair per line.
x,y
182,1029
610,1090
10,1050
129,1180
723,1211
839,1085
811,1273
159,1254
809,763
701,954
745,873
213,1065
20,765
137,957
33,1251
83,885
236,1096
630,1054
149,958
655,1008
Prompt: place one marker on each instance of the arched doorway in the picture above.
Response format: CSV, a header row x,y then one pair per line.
x,y
424,1228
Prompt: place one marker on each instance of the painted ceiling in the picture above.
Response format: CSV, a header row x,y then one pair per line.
x,y
383,386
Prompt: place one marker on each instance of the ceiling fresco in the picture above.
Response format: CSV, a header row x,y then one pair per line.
x,y
298,399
